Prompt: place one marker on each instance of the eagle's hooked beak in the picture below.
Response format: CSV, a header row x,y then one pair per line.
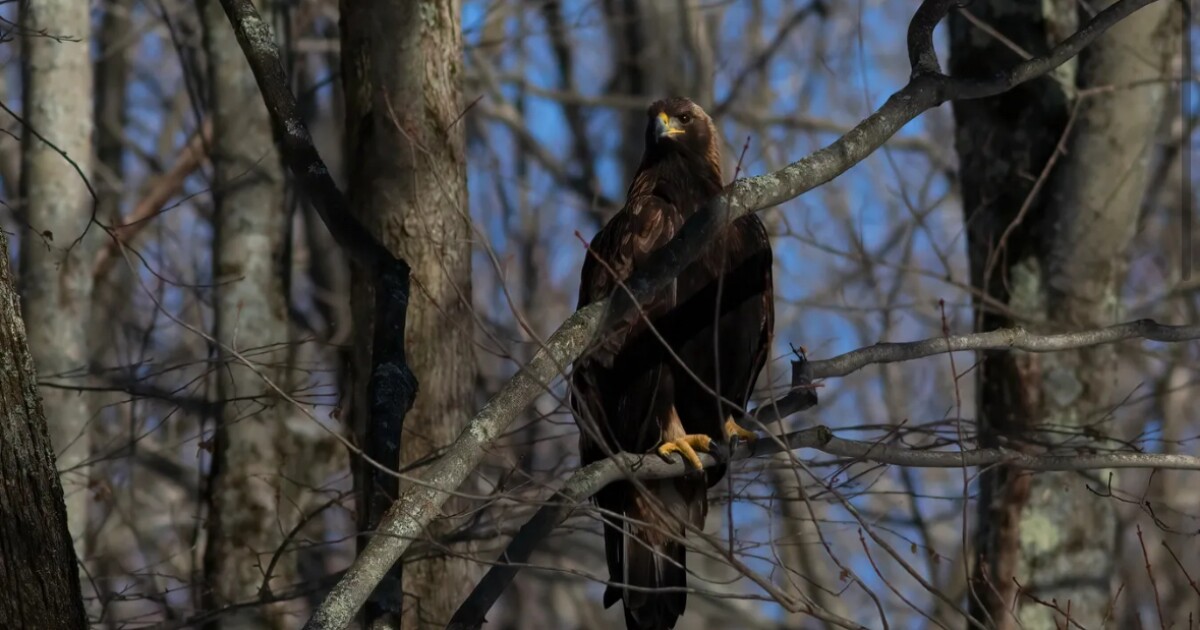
x,y
666,126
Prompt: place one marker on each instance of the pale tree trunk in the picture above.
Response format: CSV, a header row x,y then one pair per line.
x,y
57,245
806,573
249,511
402,68
38,574
107,539
1060,267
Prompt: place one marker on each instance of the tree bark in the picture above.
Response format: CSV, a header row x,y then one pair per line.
x,y
58,243
402,67
248,513
38,574
1047,237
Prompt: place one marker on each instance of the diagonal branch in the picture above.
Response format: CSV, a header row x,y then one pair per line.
x,y
295,144
152,204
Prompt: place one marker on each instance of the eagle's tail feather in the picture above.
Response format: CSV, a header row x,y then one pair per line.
x,y
662,569
654,562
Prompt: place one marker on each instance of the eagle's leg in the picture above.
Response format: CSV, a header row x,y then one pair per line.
x,y
732,428
687,446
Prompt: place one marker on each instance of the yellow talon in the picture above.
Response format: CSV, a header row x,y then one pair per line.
x,y
687,446
732,429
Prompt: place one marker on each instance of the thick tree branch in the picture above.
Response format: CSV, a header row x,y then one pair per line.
x,y
295,143
418,505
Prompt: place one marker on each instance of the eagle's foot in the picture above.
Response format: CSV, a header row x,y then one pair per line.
x,y
687,446
733,429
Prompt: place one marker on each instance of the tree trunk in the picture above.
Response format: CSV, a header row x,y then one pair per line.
x,y
58,244
249,513
402,68
112,75
1048,242
38,575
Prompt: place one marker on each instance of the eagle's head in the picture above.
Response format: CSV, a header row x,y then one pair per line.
x,y
677,124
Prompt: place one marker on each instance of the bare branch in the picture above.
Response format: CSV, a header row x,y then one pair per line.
x,y
1004,338
152,204
590,479
816,7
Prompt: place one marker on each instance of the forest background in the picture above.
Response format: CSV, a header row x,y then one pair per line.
x,y
203,345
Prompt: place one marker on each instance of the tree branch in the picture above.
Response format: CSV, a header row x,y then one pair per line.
x,y
295,143
421,502
1002,339
588,480
163,188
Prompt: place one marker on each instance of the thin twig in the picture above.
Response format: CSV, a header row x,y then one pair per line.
x,y
1153,583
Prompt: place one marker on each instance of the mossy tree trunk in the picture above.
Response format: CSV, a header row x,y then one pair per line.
x,y
1047,237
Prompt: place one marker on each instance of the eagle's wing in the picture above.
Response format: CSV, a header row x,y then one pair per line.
x,y
621,390
625,242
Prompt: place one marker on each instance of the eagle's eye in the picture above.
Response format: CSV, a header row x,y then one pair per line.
x,y
685,118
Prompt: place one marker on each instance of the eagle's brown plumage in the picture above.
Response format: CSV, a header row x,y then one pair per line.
x,y
630,394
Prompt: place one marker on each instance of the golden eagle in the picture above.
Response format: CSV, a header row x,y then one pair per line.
x,y
652,383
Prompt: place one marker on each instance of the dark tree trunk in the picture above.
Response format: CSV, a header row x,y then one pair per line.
x,y
402,72
38,574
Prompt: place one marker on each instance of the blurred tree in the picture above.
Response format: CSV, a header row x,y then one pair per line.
x,y
1053,174
249,510
59,242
